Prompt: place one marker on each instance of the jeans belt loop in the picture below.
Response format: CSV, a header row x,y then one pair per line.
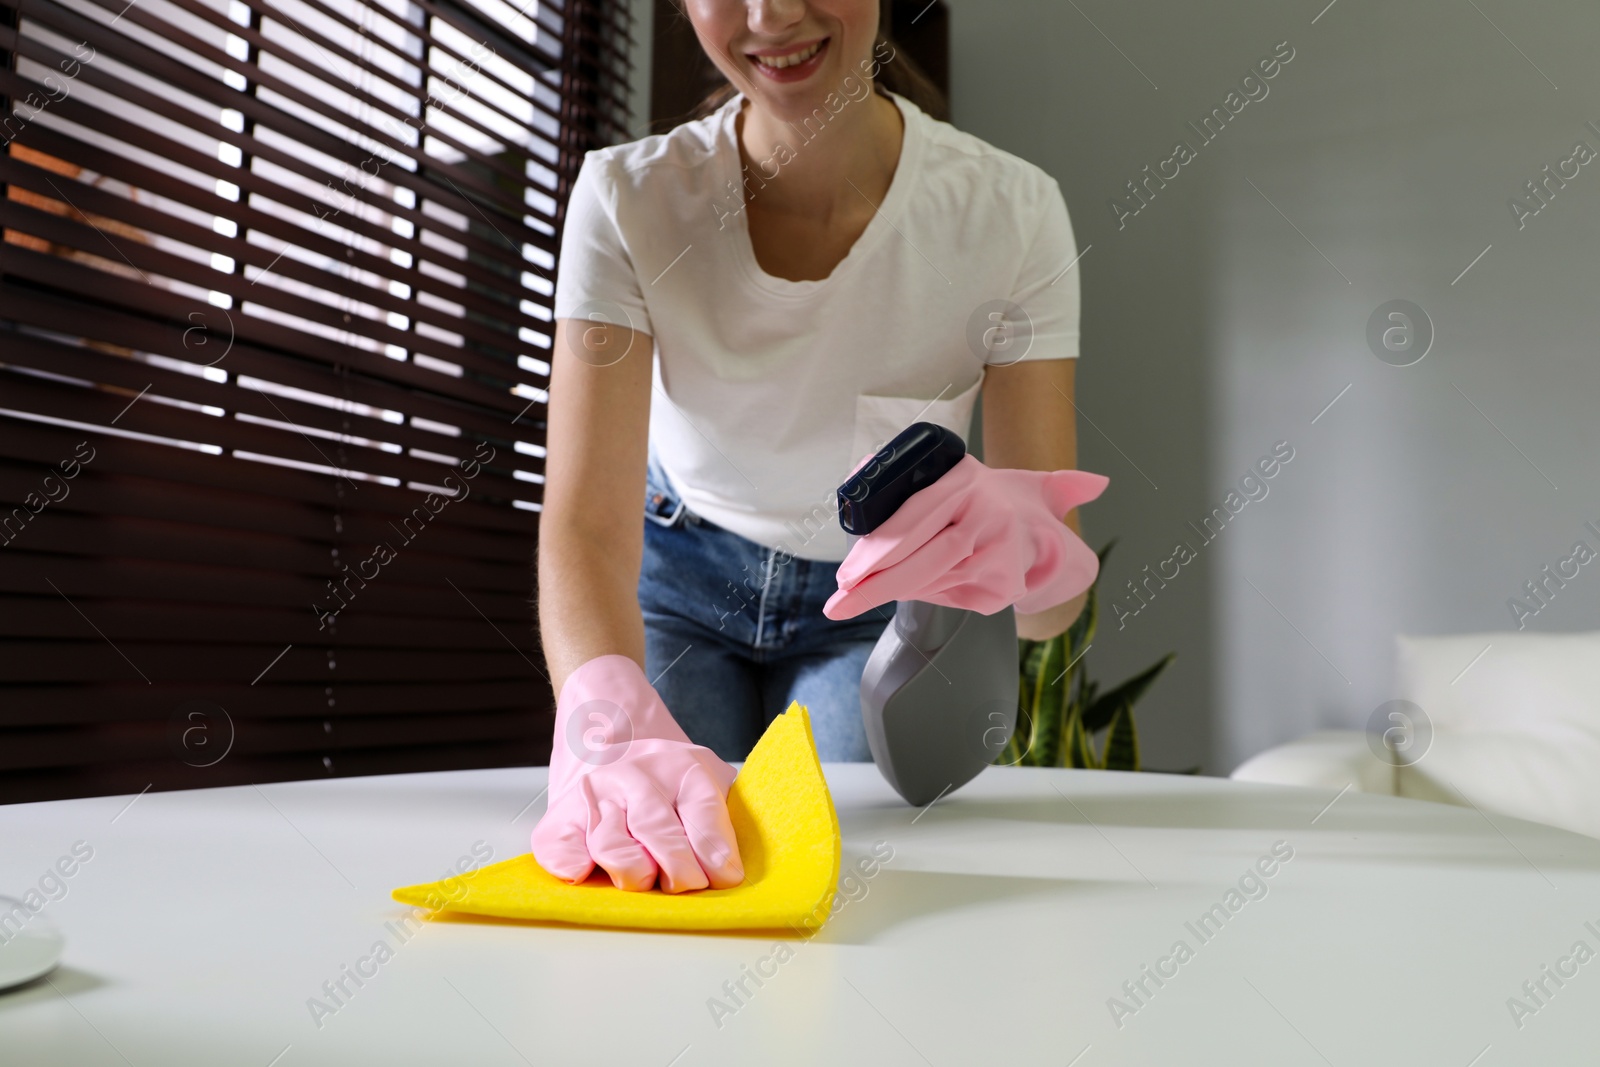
x,y
655,509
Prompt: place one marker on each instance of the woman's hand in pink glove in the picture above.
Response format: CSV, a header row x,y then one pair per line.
x,y
979,538
629,792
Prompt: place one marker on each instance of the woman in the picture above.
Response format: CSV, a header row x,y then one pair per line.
x,y
745,308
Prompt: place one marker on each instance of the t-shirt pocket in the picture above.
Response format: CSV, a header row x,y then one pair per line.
x,y
879,419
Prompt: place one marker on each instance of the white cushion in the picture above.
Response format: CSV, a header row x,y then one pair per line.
x,y
1514,774
1518,733
1330,758
1540,684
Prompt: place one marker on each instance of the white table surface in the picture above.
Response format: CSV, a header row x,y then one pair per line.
x,y
1008,916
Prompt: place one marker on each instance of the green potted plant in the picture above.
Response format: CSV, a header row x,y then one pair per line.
x,y
1061,710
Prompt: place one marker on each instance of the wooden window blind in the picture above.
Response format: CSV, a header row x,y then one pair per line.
x,y
275,311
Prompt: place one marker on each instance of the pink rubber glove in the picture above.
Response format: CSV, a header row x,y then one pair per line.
x,y
979,538
629,792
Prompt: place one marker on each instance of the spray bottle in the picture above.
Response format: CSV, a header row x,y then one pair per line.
x,y
939,692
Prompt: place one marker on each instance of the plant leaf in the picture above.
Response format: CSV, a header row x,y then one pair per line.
x,y
1020,744
1049,685
1061,709
1081,632
1122,740
1079,753
1099,713
1028,710
1025,649
1066,708
1038,663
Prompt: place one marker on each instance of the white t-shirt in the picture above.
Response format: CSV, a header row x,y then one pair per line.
x,y
766,391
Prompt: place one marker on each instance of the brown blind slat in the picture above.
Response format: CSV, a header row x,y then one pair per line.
x,y
133,776
33,749
64,401
105,205
96,660
186,78
127,294
178,270
486,243
155,581
206,338
231,400
70,534
158,622
129,702
131,496
272,486
496,242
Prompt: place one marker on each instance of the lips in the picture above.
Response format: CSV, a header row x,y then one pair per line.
x,y
795,63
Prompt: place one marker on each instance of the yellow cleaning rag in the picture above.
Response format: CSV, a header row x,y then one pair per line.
x,y
788,834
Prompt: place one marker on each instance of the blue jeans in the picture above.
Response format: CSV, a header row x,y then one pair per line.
x,y
734,631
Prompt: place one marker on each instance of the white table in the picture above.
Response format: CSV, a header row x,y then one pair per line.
x,y
1006,919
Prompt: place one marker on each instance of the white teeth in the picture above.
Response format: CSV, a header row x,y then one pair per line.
x,y
789,60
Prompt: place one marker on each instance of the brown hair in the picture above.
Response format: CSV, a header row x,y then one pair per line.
x,y
900,74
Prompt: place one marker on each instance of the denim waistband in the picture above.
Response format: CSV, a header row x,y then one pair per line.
x,y
751,596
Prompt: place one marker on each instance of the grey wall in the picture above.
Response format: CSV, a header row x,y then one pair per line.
x,y
1226,315
1217,323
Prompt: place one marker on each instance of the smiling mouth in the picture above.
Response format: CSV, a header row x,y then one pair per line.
x,y
791,59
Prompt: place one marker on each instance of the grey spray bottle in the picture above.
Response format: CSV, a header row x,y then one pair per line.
x,y
939,692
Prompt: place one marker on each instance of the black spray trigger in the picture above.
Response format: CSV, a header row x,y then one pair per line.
x,y
917,457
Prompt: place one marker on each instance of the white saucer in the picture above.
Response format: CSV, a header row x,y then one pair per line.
x,y
31,951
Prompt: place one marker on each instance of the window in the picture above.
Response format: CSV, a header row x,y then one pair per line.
x,y
275,289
